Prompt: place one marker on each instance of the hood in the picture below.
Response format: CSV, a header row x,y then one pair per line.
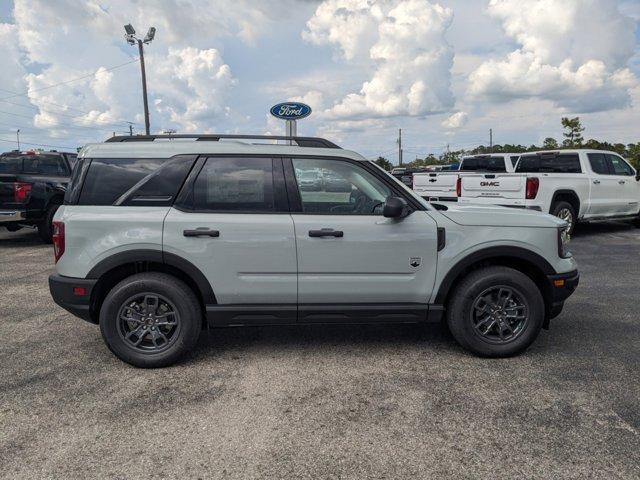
x,y
494,216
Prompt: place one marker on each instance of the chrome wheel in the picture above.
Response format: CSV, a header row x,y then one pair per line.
x,y
148,322
566,215
499,314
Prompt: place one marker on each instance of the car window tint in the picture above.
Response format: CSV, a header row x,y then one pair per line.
x,y
483,164
514,160
619,166
53,165
235,184
563,163
598,163
108,178
10,164
335,187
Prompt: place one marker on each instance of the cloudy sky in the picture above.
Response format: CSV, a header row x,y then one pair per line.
x,y
445,71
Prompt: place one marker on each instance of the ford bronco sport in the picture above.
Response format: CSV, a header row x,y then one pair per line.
x,y
161,236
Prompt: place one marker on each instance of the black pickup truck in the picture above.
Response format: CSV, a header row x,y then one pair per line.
x,y
32,187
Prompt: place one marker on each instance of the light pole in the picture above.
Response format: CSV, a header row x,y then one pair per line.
x,y
131,38
18,137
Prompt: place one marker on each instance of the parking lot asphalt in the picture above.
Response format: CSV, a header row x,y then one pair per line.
x,y
326,401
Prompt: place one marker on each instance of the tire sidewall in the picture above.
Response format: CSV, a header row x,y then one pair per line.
x,y
174,290
559,206
459,318
45,228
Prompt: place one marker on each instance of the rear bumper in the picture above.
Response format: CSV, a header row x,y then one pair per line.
x,y
435,198
65,291
563,285
10,216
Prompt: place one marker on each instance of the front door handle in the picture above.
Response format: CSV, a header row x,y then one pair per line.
x,y
597,182
326,232
621,182
201,232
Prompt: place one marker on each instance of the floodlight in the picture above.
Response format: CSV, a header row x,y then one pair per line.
x,y
129,29
150,34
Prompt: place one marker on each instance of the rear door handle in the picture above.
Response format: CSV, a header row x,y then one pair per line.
x,y
201,232
621,182
597,182
326,232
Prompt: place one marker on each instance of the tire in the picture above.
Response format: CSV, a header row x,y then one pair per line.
x,y
45,227
561,210
466,324
172,295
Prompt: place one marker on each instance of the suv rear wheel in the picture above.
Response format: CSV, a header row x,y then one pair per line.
x,y
496,312
150,320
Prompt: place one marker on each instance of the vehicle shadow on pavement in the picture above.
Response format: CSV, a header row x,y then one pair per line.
x,y
585,230
22,238
220,340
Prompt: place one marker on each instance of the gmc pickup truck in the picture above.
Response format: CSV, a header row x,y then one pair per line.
x,y
441,186
574,185
32,187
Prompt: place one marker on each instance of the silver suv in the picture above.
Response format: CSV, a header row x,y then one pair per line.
x,y
161,236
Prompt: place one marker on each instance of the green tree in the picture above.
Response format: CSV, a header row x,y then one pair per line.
x,y
384,163
573,132
550,144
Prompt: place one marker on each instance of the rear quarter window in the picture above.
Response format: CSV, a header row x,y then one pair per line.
x,y
563,163
137,182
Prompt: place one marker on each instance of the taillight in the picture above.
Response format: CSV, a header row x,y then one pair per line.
x,y
21,192
459,187
533,184
58,239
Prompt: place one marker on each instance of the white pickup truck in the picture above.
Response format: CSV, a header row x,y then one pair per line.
x,y
441,186
575,185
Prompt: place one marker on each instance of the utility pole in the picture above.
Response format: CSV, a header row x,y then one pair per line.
x,y
491,140
18,138
400,147
132,40
130,130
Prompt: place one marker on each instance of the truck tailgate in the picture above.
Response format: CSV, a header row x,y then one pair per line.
x,y
494,185
435,184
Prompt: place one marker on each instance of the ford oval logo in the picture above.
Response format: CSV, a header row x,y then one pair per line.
x,y
291,110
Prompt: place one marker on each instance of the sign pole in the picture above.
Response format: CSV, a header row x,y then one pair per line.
x,y
291,129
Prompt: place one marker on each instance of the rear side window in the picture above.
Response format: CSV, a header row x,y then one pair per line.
x,y
53,165
619,166
235,184
598,163
483,164
563,163
109,178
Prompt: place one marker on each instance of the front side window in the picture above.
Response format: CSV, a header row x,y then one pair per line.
x,y
619,166
235,184
336,187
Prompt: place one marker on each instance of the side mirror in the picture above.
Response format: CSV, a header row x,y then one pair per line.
x,y
394,207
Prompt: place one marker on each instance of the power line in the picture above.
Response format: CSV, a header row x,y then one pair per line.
x,y
37,144
64,125
83,77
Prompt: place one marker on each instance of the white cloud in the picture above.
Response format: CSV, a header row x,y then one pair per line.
x,y
404,42
573,52
455,121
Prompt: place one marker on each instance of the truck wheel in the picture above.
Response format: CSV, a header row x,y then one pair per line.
x,y
45,227
566,212
150,320
496,312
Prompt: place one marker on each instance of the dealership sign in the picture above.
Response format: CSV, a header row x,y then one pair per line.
x,y
291,110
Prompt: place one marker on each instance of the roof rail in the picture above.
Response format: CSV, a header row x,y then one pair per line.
x,y
314,142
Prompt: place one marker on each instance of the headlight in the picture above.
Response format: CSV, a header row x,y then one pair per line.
x,y
563,242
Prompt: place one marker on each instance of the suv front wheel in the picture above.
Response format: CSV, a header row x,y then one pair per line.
x,y
150,320
496,312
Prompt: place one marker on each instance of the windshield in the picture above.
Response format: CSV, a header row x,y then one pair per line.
x,y
10,164
483,164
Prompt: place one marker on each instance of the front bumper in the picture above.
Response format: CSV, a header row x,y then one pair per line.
x,y
10,216
73,294
563,285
